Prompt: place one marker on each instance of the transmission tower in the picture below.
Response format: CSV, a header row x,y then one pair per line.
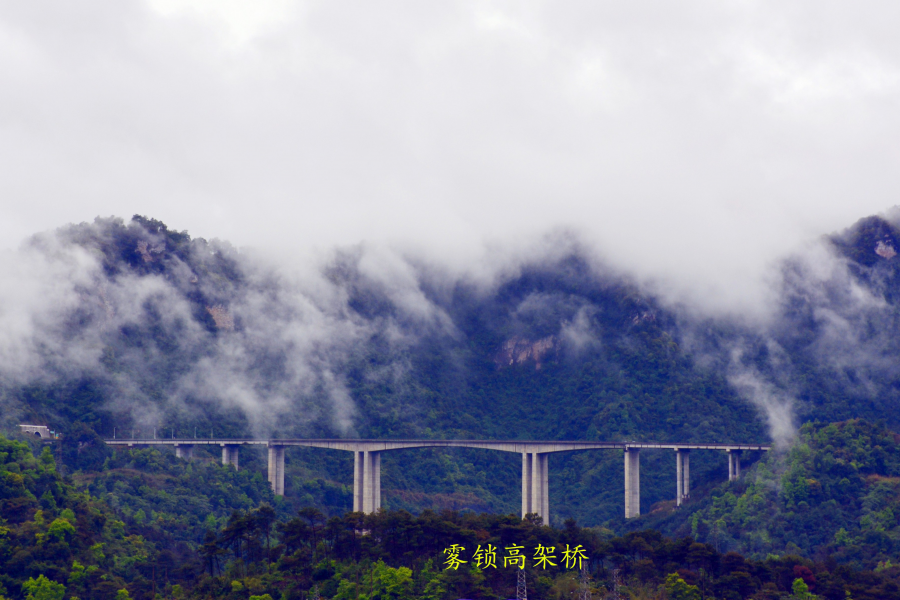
x,y
616,595
584,587
521,591
315,593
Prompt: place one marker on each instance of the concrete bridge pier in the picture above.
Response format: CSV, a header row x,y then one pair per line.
x,y
230,455
185,451
358,469
682,475
366,481
734,464
540,485
276,469
536,485
526,484
632,482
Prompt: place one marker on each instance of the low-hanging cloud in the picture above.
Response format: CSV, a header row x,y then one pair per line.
x,y
269,342
774,403
830,331
188,329
845,304
580,333
691,145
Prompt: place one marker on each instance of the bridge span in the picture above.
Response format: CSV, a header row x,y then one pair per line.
x,y
535,463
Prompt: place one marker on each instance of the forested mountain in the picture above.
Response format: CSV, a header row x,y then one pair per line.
x,y
133,329
138,328
835,493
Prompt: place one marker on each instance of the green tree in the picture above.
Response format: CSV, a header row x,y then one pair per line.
x,y
47,461
390,583
62,530
678,589
43,589
83,449
801,590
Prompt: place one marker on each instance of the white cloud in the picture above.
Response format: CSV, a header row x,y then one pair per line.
x,y
692,144
243,21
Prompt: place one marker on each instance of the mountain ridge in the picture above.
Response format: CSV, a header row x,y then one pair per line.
x,y
193,334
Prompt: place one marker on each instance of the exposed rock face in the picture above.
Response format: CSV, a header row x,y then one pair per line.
x,y
145,250
221,316
885,249
518,350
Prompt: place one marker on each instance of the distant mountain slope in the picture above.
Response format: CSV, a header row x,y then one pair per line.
x,y
136,327
835,493
839,325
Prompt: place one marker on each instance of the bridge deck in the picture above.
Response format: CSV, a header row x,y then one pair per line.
x,y
383,445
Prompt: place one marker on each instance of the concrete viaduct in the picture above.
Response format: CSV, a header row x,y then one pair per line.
x,y
535,463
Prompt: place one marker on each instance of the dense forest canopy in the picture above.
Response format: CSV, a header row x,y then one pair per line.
x,y
146,525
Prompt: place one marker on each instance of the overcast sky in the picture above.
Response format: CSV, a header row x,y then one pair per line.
x,y
693,142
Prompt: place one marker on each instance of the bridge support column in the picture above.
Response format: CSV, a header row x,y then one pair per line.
x,y
276,469
734,465
366,481
536,485
545,487
526,484
230,455
682,475
632,482
357,481
376,481
185,451
368,488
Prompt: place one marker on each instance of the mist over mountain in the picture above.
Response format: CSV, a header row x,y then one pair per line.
x,y
138,327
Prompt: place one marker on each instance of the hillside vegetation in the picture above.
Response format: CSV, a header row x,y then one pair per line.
x,y
58,542
166,333
835,493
